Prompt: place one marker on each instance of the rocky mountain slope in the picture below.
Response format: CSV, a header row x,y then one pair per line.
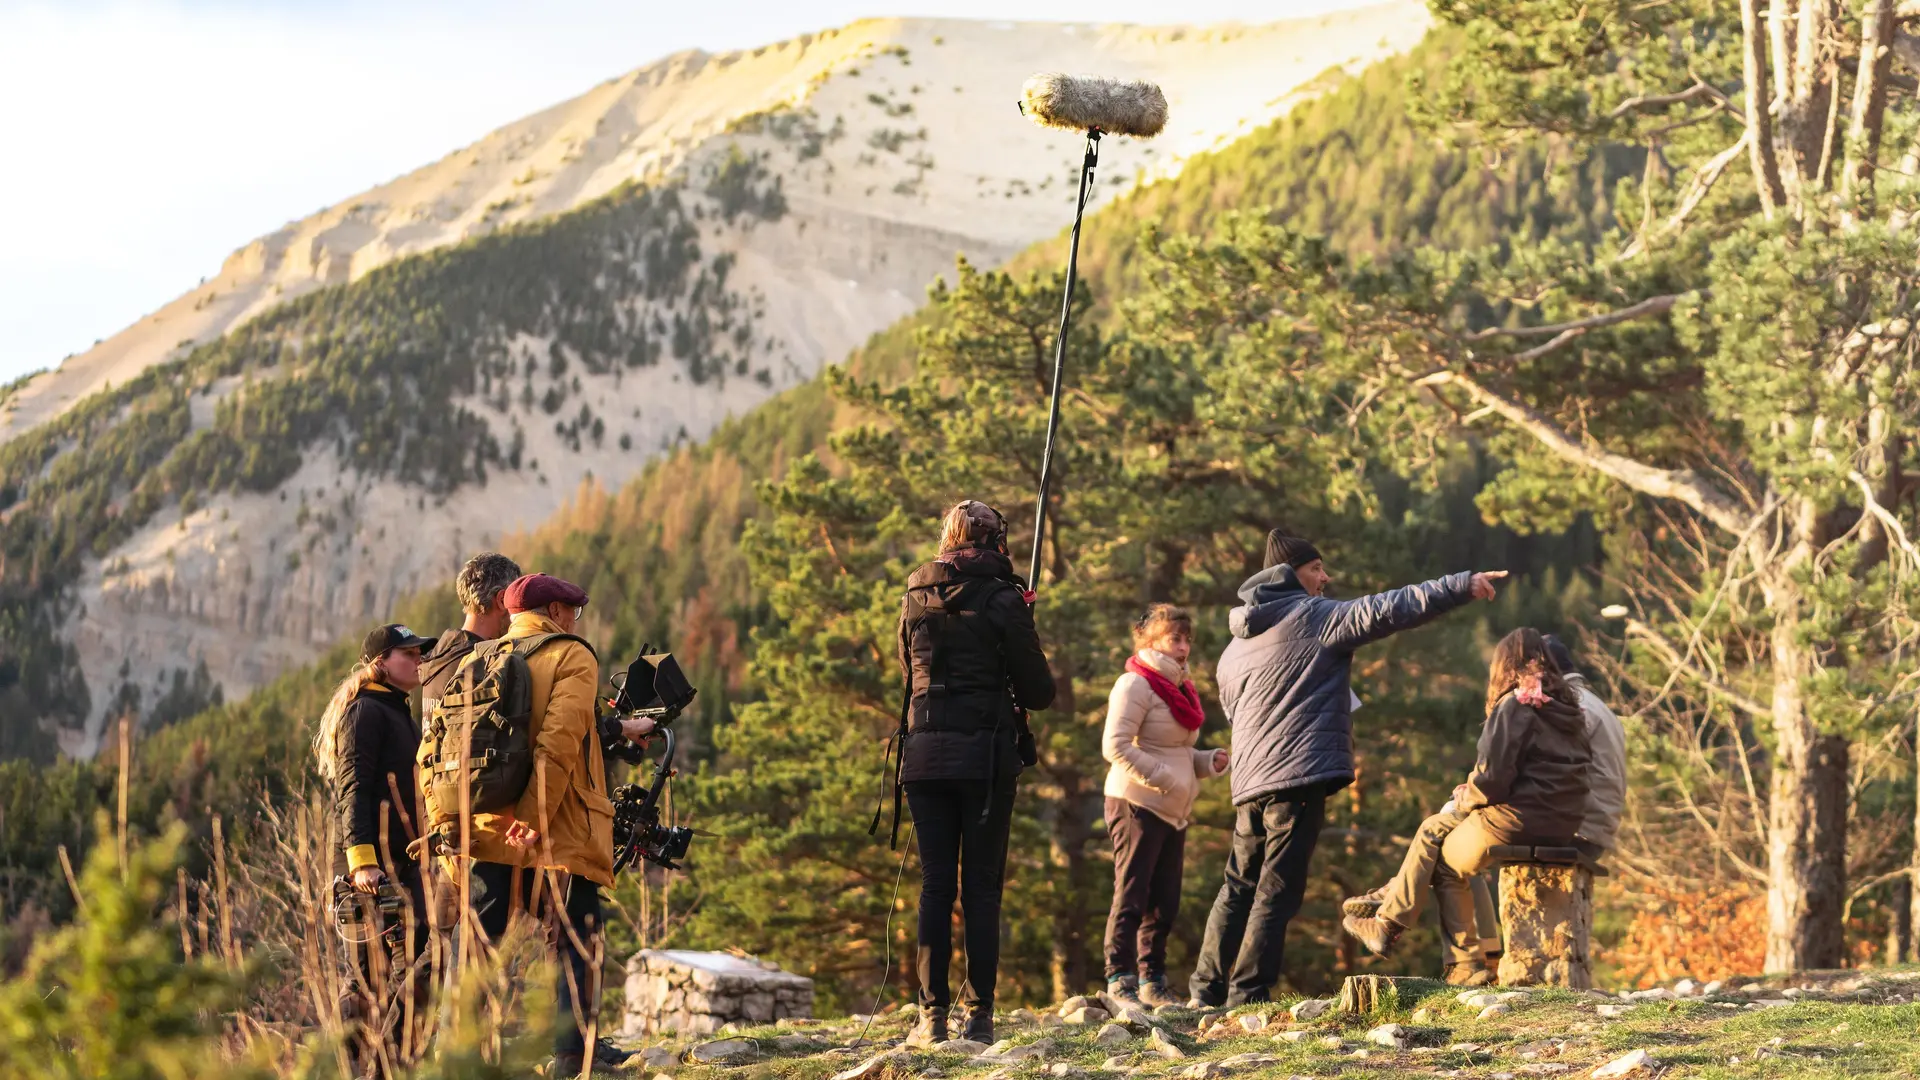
x,y
747,218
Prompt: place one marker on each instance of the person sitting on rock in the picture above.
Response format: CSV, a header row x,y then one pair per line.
x,y
1529,786
1153,721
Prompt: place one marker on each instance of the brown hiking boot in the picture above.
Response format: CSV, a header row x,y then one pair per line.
x,y
1377,934
1469,974
930,1029
1364,906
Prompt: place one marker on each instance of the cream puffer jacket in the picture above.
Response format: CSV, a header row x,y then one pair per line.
x,y
1155,764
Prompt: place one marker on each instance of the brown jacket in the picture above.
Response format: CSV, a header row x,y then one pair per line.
x,y
1155,765
566,799
1531,777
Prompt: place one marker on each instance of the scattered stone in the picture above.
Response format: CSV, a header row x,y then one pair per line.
x,y
1037,1051
872,1067
1465,1048
1362,1053
1174,1014
1479,999
1769,1003
661,1076
659,1057
1252,1023
1113,1035
1248,1061
1686,988
1544,1068
1000,1074
1310,1009
1090,1014
1051,1019
1391,1036
1792,992
1333,1042
1065,1070
724,1051
1295,1036
1625,1065
1205,1070
962,1046
1023,1016
1752,988
790,1043
1117,1062
1713,987
1160,1043
1611,1011
1495,1012
1076,1003
1424,1015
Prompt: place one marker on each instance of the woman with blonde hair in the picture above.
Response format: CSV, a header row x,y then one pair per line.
x,y
1153,722
364,750
1528,786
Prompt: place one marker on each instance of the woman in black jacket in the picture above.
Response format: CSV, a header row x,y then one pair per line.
x,y
973,664
365,749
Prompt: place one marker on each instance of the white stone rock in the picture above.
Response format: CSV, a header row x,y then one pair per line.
x,y
1161,1043
1090,1014
1064,1070
1752,988
1076,1003
1544,1068
1117,1062
1769,1003
1035,1051
723,1051
961,1046
1252,1023
1495,1012
1295,1036
1479,999
1611,1011
1310,1009
1625,1065
1205,1070
1113,1035
873,1066
1713,986
1686,988
1136,1016
1510,997
1333,1042
659,1057
1022,1016
1792,992
1391,1036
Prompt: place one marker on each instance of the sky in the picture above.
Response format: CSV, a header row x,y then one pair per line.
x,y
146,141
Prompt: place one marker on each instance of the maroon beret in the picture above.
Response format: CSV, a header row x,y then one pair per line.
x,y
536,591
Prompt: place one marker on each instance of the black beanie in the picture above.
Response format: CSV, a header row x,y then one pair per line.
x,y
1562,656
1291,550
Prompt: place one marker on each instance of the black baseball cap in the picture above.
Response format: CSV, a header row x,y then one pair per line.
x,y
384,639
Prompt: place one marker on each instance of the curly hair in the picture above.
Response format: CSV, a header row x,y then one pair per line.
x,y
485,577
1159,623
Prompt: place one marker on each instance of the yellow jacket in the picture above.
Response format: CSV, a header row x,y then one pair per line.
x,y
566,798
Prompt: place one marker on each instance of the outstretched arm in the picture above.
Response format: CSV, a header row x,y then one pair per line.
x,y
1370,618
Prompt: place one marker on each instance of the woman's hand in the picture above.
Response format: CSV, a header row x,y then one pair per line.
x,y
1220,761
1460,793
367,879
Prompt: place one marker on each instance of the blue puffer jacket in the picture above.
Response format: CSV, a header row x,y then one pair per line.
x,y
1283,677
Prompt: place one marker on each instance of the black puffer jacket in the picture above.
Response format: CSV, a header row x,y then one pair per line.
x,y
961,723
1531,772
378,738
1284,677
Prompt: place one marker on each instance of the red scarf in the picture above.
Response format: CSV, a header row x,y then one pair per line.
x,y
1183,700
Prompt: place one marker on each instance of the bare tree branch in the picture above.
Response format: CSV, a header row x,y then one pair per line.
x,y
1658,101
1682,485
1697,189
1640,631
1653,305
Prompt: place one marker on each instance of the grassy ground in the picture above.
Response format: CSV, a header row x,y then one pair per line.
x,y
1841,1025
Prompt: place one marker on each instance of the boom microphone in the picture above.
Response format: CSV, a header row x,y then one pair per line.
x,y
1088,103
1096,107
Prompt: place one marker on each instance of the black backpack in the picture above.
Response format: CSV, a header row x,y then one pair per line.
x,y
484,718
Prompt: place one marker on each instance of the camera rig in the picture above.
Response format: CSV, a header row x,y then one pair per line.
x,y
653,687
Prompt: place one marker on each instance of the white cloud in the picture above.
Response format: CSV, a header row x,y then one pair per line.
x,y
143,142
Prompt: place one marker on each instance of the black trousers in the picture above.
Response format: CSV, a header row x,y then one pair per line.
x,y
1266,880
573,924
961,827
1148,855
389,982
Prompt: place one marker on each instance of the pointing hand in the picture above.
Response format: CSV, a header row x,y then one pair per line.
x,y
1483,583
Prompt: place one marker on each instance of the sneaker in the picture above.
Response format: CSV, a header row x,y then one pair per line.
x,y
605,1053
979,1025
930,1029
1377,934
1469,974
1124,989
1155,993
1364,906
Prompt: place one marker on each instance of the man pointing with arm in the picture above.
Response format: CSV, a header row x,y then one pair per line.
x,y
1284,684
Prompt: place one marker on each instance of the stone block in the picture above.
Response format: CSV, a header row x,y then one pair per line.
x,y
1547,912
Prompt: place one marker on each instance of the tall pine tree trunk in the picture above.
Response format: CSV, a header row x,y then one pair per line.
x,y
1807,813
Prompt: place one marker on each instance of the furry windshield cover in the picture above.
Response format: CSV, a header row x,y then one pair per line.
x,y
1089,103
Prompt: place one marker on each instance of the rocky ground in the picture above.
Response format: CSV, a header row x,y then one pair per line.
x,y
1827,1024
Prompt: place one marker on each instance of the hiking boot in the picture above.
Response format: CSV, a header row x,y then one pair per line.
x,y
1364,906
1377,934
605,1053
563,1066
930,1029
1154,993
1124,989
1469,974
979,1025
